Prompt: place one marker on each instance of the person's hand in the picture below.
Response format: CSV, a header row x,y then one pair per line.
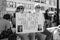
x,y
14,30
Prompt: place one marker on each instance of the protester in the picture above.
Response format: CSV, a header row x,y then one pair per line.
x,y
38,35
41,22
49,35
20,9
4,26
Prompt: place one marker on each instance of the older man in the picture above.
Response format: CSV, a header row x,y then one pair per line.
x,y
20,9
41,21
4,23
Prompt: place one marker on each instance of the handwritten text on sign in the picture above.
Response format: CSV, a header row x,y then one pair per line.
x,y
28,22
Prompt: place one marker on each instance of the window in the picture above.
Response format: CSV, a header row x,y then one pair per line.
x,y
51,2
7,4
55,3
11,4
14,4
47,1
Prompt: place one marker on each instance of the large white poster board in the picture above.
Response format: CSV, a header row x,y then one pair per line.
x,y
27,23
56,32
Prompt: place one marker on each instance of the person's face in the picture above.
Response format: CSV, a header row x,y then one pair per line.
x,y
37,9
21,10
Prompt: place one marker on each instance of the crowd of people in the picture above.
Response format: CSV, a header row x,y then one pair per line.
x,y
7,22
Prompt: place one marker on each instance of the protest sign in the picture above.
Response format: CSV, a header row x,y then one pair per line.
x,y
27,23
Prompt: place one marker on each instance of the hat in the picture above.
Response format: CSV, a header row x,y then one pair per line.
x,y
19,5
37,5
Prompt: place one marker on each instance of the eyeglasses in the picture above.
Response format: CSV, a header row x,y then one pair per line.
x,y
20,8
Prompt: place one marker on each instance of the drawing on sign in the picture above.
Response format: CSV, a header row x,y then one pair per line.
x,y
20,29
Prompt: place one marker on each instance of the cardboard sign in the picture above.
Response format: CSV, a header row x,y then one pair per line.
x,y
56,34
27,23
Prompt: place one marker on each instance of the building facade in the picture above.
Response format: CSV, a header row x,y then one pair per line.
x,y
10,5
3,4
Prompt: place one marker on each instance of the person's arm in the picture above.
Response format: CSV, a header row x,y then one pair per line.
x,y
41,19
